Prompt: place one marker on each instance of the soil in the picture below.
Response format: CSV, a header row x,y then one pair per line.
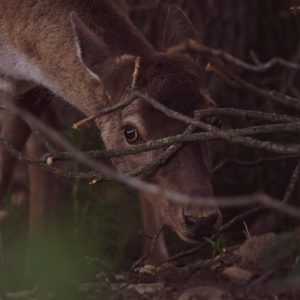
x,y
240,272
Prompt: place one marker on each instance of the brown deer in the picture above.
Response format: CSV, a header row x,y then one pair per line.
x,y
83,51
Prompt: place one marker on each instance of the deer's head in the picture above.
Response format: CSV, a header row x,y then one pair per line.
x,y
176,80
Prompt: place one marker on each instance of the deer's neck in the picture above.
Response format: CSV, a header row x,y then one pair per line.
x,y
37,44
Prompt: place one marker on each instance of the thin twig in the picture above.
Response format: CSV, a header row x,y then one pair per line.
x,y
260,161
237,81
195,137
261,67
136,71
246,114
50,148
292,183
108,110
227,136
169,141
140,185
150,251
161,160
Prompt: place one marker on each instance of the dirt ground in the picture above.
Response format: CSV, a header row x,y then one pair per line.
x,y
240,272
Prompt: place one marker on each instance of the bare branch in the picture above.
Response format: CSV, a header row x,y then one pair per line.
x,y
150,251
236,81
293,181
227,136
260,161
236,201
195,137
193,45
246,114
111,109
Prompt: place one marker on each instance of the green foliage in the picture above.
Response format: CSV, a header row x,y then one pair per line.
x,y
216,245
90,236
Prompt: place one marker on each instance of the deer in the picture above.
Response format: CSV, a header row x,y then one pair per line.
x,y
84,52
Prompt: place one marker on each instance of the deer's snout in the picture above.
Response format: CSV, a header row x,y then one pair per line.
x,y
188,172
193,225
202,226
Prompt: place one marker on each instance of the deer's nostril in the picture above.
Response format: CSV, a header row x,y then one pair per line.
x,y
201,226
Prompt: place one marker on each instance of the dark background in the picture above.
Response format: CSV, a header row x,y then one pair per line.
x,y
97,227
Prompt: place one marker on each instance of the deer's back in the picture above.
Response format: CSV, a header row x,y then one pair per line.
x,y
37,41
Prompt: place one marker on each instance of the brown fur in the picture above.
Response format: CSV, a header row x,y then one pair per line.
x,y
37,30
94,57
176,81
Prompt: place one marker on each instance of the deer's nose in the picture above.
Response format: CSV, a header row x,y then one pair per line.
x,y
201,226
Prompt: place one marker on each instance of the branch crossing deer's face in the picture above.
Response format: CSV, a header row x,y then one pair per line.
x,y
177,82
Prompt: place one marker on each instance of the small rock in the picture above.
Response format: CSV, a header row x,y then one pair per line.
x,y
205,293
165,267
120,277
237,275
215,267
146,288
148,269
49,161
255,248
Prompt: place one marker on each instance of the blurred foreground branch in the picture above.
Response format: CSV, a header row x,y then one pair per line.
x,y
276,123
102,170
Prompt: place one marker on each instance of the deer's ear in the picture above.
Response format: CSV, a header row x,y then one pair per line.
x,y
91,49
178,27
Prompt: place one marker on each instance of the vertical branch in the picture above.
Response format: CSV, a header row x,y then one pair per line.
x,y
292,184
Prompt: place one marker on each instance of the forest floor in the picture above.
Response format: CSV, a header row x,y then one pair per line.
x,y
240,272
252,266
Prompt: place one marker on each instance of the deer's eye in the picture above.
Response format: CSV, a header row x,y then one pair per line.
x,y
131,134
